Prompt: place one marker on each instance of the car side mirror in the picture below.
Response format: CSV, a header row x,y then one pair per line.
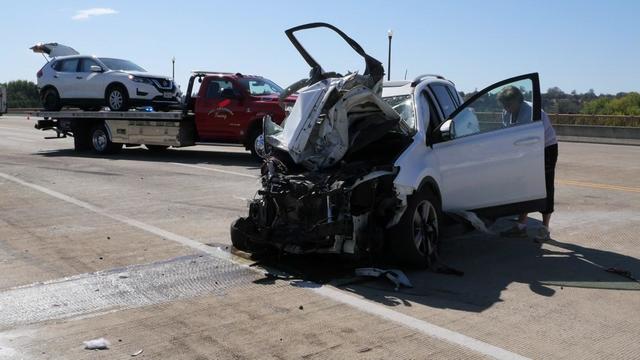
x,y
446,130
96,68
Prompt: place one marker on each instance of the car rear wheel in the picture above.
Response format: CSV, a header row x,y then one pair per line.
x,y
51,100
117,98
100,142
414,240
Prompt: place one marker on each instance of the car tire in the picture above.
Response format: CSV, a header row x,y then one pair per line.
x,y
414,240
51,100
100,142
156,148
238,239
117,98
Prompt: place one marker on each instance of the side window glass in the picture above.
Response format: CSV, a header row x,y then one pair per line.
x,y
70,65
503,106
85,65
444,99
57,66
216,87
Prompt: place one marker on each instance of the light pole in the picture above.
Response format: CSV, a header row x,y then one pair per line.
x,y
390,35
173,68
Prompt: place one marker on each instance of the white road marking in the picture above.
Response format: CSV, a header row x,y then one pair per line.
x,y
217,170
419,325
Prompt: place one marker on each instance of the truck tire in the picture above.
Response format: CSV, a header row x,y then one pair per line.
x,y
117,98
251,141
51,100
100,142
414,240
156,148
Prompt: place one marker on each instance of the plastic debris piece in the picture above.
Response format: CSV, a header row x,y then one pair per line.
x,y
474,220
397,277
137,353
97,344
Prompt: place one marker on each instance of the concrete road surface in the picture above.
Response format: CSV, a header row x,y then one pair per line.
x,y
135,248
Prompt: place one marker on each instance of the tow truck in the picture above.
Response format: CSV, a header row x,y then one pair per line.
x,y
227,109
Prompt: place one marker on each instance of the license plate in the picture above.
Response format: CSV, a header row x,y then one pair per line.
x,y
168,95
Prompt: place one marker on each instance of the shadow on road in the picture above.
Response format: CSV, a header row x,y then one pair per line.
x,y
490,264
183,156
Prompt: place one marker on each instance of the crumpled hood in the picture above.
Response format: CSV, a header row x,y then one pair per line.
x,y
333,114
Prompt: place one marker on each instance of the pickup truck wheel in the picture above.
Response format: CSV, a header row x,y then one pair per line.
x,y
117,98
51,100
414,240
100,142
252,142
156,148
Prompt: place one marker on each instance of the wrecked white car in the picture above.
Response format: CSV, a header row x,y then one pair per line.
x,y
361,167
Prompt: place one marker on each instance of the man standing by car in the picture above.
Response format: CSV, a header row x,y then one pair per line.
x,y
516,112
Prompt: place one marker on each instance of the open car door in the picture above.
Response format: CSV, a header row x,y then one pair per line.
x,y
492,162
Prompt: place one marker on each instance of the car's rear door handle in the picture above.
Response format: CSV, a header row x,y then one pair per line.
x,y
527,141
55,76
78,77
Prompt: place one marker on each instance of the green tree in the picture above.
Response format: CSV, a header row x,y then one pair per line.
x,y
627,104
21,94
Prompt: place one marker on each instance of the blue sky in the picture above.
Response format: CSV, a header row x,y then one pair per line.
x,y
572,44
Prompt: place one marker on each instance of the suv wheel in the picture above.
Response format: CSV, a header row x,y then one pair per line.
x,y
100,141
51,100
117,98
414,240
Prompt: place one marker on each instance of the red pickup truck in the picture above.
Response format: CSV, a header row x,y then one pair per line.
x,y
227,108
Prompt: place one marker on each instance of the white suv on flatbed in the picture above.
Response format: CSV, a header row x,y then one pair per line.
x,y
91,82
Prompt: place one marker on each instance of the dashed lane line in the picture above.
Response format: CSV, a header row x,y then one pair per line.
x,y
373,308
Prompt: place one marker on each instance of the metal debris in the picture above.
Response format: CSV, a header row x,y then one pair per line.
x,y
97,344
397,277
137,353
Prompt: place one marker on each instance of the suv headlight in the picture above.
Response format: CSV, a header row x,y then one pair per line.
x,y
139,79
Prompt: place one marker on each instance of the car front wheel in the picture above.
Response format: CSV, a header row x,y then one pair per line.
x,y
414,240
117,98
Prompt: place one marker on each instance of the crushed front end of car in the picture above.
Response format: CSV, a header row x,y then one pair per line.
x,y
327,178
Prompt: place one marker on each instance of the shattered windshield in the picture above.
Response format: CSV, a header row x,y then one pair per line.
x,y
260,87
403,105
119,64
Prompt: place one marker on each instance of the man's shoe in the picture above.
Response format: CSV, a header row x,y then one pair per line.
x,y
514,232
542,235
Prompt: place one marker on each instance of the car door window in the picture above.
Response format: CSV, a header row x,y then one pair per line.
x,y
86,64
504,105
70,65
444,99
215,88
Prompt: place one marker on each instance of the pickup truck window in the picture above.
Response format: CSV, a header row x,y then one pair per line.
x,y
447,104
403,105
215,87
260,87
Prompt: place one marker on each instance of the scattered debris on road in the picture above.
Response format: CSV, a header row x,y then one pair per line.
x,y
97,344
137,353
397,277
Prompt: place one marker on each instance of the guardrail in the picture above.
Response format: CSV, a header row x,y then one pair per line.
x,y
612,129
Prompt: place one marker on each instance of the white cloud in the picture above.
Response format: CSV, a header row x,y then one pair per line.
x,y
85,14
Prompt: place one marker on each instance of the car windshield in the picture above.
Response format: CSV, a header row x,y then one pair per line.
x,y
403,105
260,87
119,64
